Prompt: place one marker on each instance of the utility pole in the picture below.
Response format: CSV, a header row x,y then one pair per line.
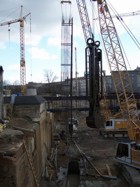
x,y
76,72
1,91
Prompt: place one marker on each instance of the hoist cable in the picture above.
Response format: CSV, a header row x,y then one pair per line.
x,y
125,26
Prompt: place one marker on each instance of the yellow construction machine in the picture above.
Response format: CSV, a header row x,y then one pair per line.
x,y
128,152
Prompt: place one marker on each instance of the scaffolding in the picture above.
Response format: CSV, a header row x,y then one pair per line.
x,y
66,46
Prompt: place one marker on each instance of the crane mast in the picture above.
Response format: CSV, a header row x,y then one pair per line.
x,y
22,56
22,48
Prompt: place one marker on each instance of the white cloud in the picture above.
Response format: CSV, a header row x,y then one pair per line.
x,y
2,45
46,24
32,39
53,57
12,73
42,54
54,41
39,53
13,67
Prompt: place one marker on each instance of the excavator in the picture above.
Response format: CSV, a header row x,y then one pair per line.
x,y
128,152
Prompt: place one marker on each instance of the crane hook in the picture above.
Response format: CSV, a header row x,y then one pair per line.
x,y
9,31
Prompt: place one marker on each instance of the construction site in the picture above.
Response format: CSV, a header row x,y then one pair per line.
x,y
80,131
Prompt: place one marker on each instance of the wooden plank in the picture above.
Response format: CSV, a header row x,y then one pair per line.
x,y
108,169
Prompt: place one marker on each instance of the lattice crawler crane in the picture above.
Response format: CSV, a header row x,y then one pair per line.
x,y
127,152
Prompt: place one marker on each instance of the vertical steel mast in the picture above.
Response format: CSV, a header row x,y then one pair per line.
x,y
93,65
66,43
22,55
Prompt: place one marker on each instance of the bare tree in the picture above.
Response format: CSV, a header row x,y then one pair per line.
x,y
49,76
16,82
6,82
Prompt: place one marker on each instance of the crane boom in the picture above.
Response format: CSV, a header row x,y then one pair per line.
x,y
136,13
22,49
9,22
87,30
128,153
117,63
14,21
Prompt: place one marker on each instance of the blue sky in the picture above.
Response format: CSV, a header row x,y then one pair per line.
x,y
43,43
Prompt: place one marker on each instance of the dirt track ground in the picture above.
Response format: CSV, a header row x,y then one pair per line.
x,y
101,153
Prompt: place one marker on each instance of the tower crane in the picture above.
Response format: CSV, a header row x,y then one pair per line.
x,y
22,48
127,152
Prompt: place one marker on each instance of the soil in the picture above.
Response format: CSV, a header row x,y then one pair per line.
x,y
99,151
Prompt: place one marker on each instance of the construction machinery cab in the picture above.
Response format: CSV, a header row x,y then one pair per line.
x,y
128,153
115,124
